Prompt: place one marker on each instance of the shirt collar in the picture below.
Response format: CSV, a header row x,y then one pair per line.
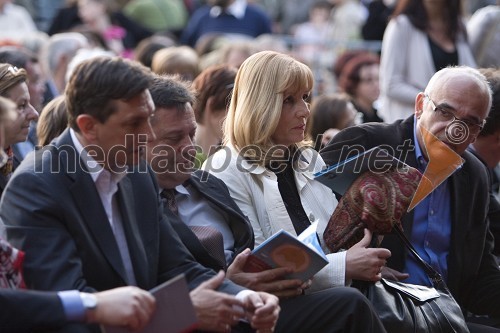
x,y
237,9
418,150
92,167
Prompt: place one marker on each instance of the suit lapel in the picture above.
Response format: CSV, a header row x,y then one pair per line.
x,y
459,221
132,232
87,200
192,242
242,232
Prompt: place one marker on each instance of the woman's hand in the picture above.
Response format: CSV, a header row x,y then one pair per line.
x,y
272,281
363,263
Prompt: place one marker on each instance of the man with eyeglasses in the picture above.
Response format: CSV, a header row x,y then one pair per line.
x,y
449,227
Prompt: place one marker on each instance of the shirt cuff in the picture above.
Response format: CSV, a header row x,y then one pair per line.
x,y
241,297
243,294
72,305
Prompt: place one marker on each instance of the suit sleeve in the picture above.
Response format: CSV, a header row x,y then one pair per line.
x,y
24,310
34,223
175,259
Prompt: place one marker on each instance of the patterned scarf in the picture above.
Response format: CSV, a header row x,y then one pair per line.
x,y
376,201
11,262
6,170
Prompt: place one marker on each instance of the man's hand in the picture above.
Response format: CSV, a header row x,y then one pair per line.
x,y
262,310
364,263
271,281
129,307
394,275
216,311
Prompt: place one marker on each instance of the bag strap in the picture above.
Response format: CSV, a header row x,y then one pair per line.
x,y
435,277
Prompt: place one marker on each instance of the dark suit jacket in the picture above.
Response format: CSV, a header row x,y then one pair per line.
x,y
216,193
473,275
23,310
53,212
494,210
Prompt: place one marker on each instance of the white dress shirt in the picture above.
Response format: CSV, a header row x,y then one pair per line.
x,y
106,183
194,210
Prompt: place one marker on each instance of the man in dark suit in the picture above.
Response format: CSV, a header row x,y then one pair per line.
x,y
24,310
86,209
204,200
450,226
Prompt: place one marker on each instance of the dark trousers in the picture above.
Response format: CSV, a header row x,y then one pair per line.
x,y
339,309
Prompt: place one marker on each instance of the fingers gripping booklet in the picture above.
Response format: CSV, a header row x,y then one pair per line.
x,y
174,311
302,253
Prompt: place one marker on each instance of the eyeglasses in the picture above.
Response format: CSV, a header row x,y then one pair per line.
x,y
12,70
446,115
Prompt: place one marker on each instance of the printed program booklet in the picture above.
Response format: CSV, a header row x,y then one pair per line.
x,y
174,311
340,176
283,249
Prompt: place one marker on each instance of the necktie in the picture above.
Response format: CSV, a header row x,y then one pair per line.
x,y
211,238
169,196
11,261
212,241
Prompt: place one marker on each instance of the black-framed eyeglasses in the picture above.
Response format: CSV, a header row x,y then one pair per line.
x,y
12,70
447,115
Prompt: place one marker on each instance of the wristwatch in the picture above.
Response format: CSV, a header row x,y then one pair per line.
x,y
89,301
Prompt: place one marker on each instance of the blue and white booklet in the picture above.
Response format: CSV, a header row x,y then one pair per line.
x,y
302,253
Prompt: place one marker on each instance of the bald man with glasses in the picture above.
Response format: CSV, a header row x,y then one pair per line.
x,y
449,227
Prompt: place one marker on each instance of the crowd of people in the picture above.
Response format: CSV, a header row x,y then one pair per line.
x,y
144,139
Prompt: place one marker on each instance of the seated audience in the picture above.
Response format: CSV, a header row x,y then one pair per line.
x,y
213,89
329,115
267,164
158,15
182,60
56,54
487,149
483,30
13,86
53,121
145,50
421,38
103,17
360,79
97,223
23,58
235,19
449,227
26,310
195,199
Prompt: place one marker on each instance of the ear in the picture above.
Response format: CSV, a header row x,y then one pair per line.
x,y
87,125
419,104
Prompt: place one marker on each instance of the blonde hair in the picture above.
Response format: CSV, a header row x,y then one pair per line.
x,y
53,120
257,100
181,60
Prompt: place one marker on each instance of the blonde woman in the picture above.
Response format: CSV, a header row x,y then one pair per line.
x,y
268,165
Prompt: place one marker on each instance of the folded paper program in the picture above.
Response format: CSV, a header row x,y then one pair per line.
x,y
375,201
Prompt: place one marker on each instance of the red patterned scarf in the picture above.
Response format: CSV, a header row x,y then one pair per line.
x,y
11,262
375,201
